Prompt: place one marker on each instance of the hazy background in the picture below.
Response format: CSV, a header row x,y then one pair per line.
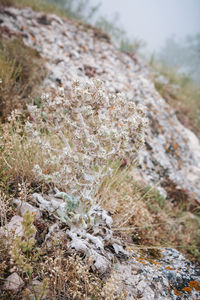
x,y
169,29
154,20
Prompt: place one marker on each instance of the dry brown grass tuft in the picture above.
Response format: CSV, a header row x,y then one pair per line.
x,y
21,72
6,210
17,158
4,263
70,277
145,219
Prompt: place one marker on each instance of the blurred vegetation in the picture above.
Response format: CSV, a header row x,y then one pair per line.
x,y
76,9
111,27
127,45
183,55
179,90
179,64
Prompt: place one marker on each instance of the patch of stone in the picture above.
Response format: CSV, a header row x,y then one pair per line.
x,y
25,206
13,283
13,228
171,277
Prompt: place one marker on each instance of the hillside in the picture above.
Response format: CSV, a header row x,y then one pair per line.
x,y
104,165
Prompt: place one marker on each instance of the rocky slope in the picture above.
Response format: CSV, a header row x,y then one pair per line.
x,y
73,51
171,155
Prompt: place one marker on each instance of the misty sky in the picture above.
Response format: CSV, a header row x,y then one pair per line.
x,y
154,20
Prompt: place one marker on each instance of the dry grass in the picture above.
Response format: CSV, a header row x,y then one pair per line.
x,y
4,262
58,276
21,72
5,209
145,219
70,277
18,157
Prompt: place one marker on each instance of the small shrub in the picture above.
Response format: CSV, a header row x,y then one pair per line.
x,y
80,135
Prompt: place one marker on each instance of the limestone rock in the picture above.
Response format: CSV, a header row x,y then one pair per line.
x,y
13,283
25,206
14,227
170,277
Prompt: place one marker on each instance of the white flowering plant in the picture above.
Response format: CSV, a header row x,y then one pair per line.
x,y
79,135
